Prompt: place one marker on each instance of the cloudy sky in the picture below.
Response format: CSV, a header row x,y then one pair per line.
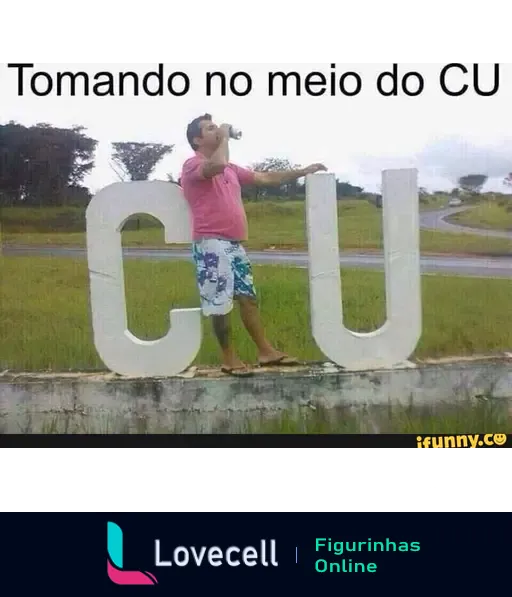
x,y
356,137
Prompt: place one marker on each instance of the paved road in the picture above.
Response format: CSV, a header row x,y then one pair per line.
x,y
436,220
495,267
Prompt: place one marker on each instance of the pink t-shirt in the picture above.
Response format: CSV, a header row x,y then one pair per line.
x,y
216,204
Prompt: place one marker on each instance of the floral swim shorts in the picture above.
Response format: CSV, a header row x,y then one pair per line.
x,y
224,273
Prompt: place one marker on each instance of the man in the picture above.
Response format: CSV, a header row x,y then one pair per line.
x,y
212,187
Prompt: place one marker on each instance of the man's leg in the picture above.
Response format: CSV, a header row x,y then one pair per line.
x,y
222,329
245,294
216,286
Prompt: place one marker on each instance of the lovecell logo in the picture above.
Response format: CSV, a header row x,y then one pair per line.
x,y
115,561
166,556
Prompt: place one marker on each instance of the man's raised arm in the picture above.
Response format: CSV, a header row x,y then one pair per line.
x,y
279,178
219,160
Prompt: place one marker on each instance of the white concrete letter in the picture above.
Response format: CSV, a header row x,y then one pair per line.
x,y
396,341
119,349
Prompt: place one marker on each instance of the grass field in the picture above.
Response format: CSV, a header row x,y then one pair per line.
x,y
488,216
45,323
280,226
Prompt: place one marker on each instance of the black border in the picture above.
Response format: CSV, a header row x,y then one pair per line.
x,y
221,441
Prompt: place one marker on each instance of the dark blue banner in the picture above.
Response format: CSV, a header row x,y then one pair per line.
x,y
255,554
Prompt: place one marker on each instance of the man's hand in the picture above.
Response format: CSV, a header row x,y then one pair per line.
x,y
314,168
224,133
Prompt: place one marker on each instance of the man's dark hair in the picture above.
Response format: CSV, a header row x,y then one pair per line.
x,y
194,129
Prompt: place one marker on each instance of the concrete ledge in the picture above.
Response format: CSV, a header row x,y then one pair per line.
x,y
207,403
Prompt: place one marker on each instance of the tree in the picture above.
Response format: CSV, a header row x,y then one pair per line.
x,y
138,160
473,183
423,195
290,190
346,190
508,181
40,164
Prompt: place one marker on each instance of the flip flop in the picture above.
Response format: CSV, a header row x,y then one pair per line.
x,y
282,362
238,372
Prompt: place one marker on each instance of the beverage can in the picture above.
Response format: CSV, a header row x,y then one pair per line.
x,y
236,134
